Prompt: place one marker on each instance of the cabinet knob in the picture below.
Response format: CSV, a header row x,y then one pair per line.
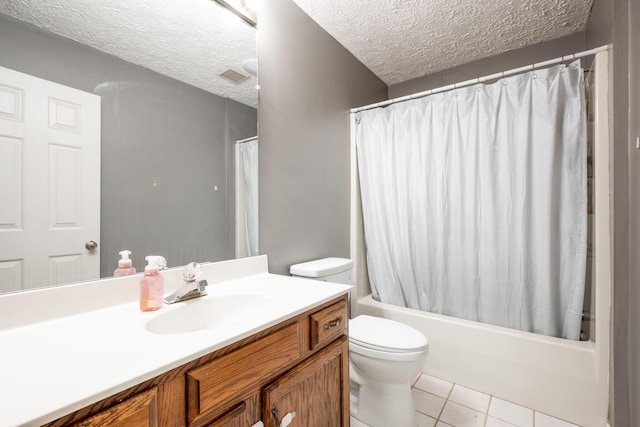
x,y
286,420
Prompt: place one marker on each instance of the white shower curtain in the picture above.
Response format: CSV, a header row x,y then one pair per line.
x,y
475,203
249,153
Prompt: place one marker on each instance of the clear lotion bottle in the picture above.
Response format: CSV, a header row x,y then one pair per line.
x,y
151,286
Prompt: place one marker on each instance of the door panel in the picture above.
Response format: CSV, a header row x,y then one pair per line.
x,y
49,182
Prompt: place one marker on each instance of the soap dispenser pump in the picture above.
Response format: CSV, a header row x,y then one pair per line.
x,y
124,265
151,286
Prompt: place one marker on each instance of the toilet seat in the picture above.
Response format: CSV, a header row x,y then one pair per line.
x,y
403,356
384,338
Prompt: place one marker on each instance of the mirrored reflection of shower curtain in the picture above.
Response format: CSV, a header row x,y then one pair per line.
x,y
474,201
249,158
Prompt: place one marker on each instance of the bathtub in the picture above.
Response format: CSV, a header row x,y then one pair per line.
x,y
556,376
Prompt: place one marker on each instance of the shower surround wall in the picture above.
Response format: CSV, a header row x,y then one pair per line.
x,y
167,150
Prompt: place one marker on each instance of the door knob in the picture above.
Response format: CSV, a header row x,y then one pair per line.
x,y
91,245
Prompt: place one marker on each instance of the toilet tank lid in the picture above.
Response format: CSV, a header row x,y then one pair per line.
x,y
321,267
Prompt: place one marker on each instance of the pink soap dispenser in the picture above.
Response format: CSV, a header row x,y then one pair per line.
x,y
124,265
151,286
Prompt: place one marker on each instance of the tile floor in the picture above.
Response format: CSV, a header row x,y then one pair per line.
x,y
441,403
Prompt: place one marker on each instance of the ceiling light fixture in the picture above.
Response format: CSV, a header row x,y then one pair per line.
x,y
244,9
254,5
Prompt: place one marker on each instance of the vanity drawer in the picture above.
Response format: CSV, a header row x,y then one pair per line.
x,y
328,323
226,377
140,410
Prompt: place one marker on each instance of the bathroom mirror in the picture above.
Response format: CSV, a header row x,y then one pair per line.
x,y
178,89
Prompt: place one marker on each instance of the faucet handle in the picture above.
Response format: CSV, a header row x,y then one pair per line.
x,y
191,271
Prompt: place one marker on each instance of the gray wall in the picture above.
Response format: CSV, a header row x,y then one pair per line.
x,y
154,129
308,83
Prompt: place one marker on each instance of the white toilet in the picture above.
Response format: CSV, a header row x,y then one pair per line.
x,y
384,355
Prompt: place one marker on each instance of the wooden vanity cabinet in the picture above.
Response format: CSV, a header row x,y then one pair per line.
x,y
300,365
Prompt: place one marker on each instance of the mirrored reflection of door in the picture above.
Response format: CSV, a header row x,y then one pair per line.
x,y
49,183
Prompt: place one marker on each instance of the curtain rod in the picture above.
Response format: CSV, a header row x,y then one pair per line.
x,y
483,79
246,140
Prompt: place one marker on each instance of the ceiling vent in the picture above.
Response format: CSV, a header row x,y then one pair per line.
x,y
233,76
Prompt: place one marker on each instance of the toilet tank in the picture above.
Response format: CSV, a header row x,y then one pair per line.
x,y
336,270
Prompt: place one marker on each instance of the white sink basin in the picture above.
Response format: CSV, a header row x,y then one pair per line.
x,y
208,312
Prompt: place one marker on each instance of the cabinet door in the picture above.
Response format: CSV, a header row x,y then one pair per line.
x,y
316,391
140,410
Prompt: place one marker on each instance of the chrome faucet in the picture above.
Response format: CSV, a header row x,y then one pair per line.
x,y
191,286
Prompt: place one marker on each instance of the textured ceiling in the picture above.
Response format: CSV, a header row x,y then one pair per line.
x,y
399,40
189,40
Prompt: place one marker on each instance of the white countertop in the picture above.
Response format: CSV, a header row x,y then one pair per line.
x,y
73,356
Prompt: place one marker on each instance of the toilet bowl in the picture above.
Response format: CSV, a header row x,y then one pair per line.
x,y
384,356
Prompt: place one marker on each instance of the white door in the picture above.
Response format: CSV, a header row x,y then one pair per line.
x,y
49,183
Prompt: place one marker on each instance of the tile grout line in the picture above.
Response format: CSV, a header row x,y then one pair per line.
x,y
447,399
486,415
445,402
